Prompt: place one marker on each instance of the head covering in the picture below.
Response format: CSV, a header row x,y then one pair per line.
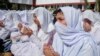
x,y
31,22
1,14
8,21
74,26
89,14
97,16
96,28
24,15
72,34
30,17
44,17
16,19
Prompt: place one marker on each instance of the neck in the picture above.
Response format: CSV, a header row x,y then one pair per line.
x,y
39,27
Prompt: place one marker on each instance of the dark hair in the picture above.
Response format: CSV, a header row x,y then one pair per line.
x,y
92,6
88,21
54,13
54,20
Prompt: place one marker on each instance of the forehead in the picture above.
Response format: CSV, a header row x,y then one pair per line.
x,y
59,13
87,20
34,15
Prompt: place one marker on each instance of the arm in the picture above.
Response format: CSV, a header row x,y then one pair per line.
x,y
49,51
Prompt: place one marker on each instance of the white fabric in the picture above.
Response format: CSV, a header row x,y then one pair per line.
x,y
89,14
25,49
50,27
16,19
96,30
23,45
15,36
44,16
7,20
3,33
24,16
72,40
30,18
40,39
1,14
22,48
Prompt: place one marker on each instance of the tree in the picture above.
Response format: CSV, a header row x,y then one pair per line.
x,y
4,4
98,5
87,4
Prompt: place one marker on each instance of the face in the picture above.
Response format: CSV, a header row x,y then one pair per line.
x,y
1,24
87,25
60,18
20,26
36,21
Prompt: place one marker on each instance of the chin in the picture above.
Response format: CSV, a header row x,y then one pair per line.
x,y
88,30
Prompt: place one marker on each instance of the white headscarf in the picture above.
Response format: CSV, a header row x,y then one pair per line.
x,y
96,28
69,34
89,14
72,33
44,17
16,19
30,18
8,20
1,14
24,16
97,17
